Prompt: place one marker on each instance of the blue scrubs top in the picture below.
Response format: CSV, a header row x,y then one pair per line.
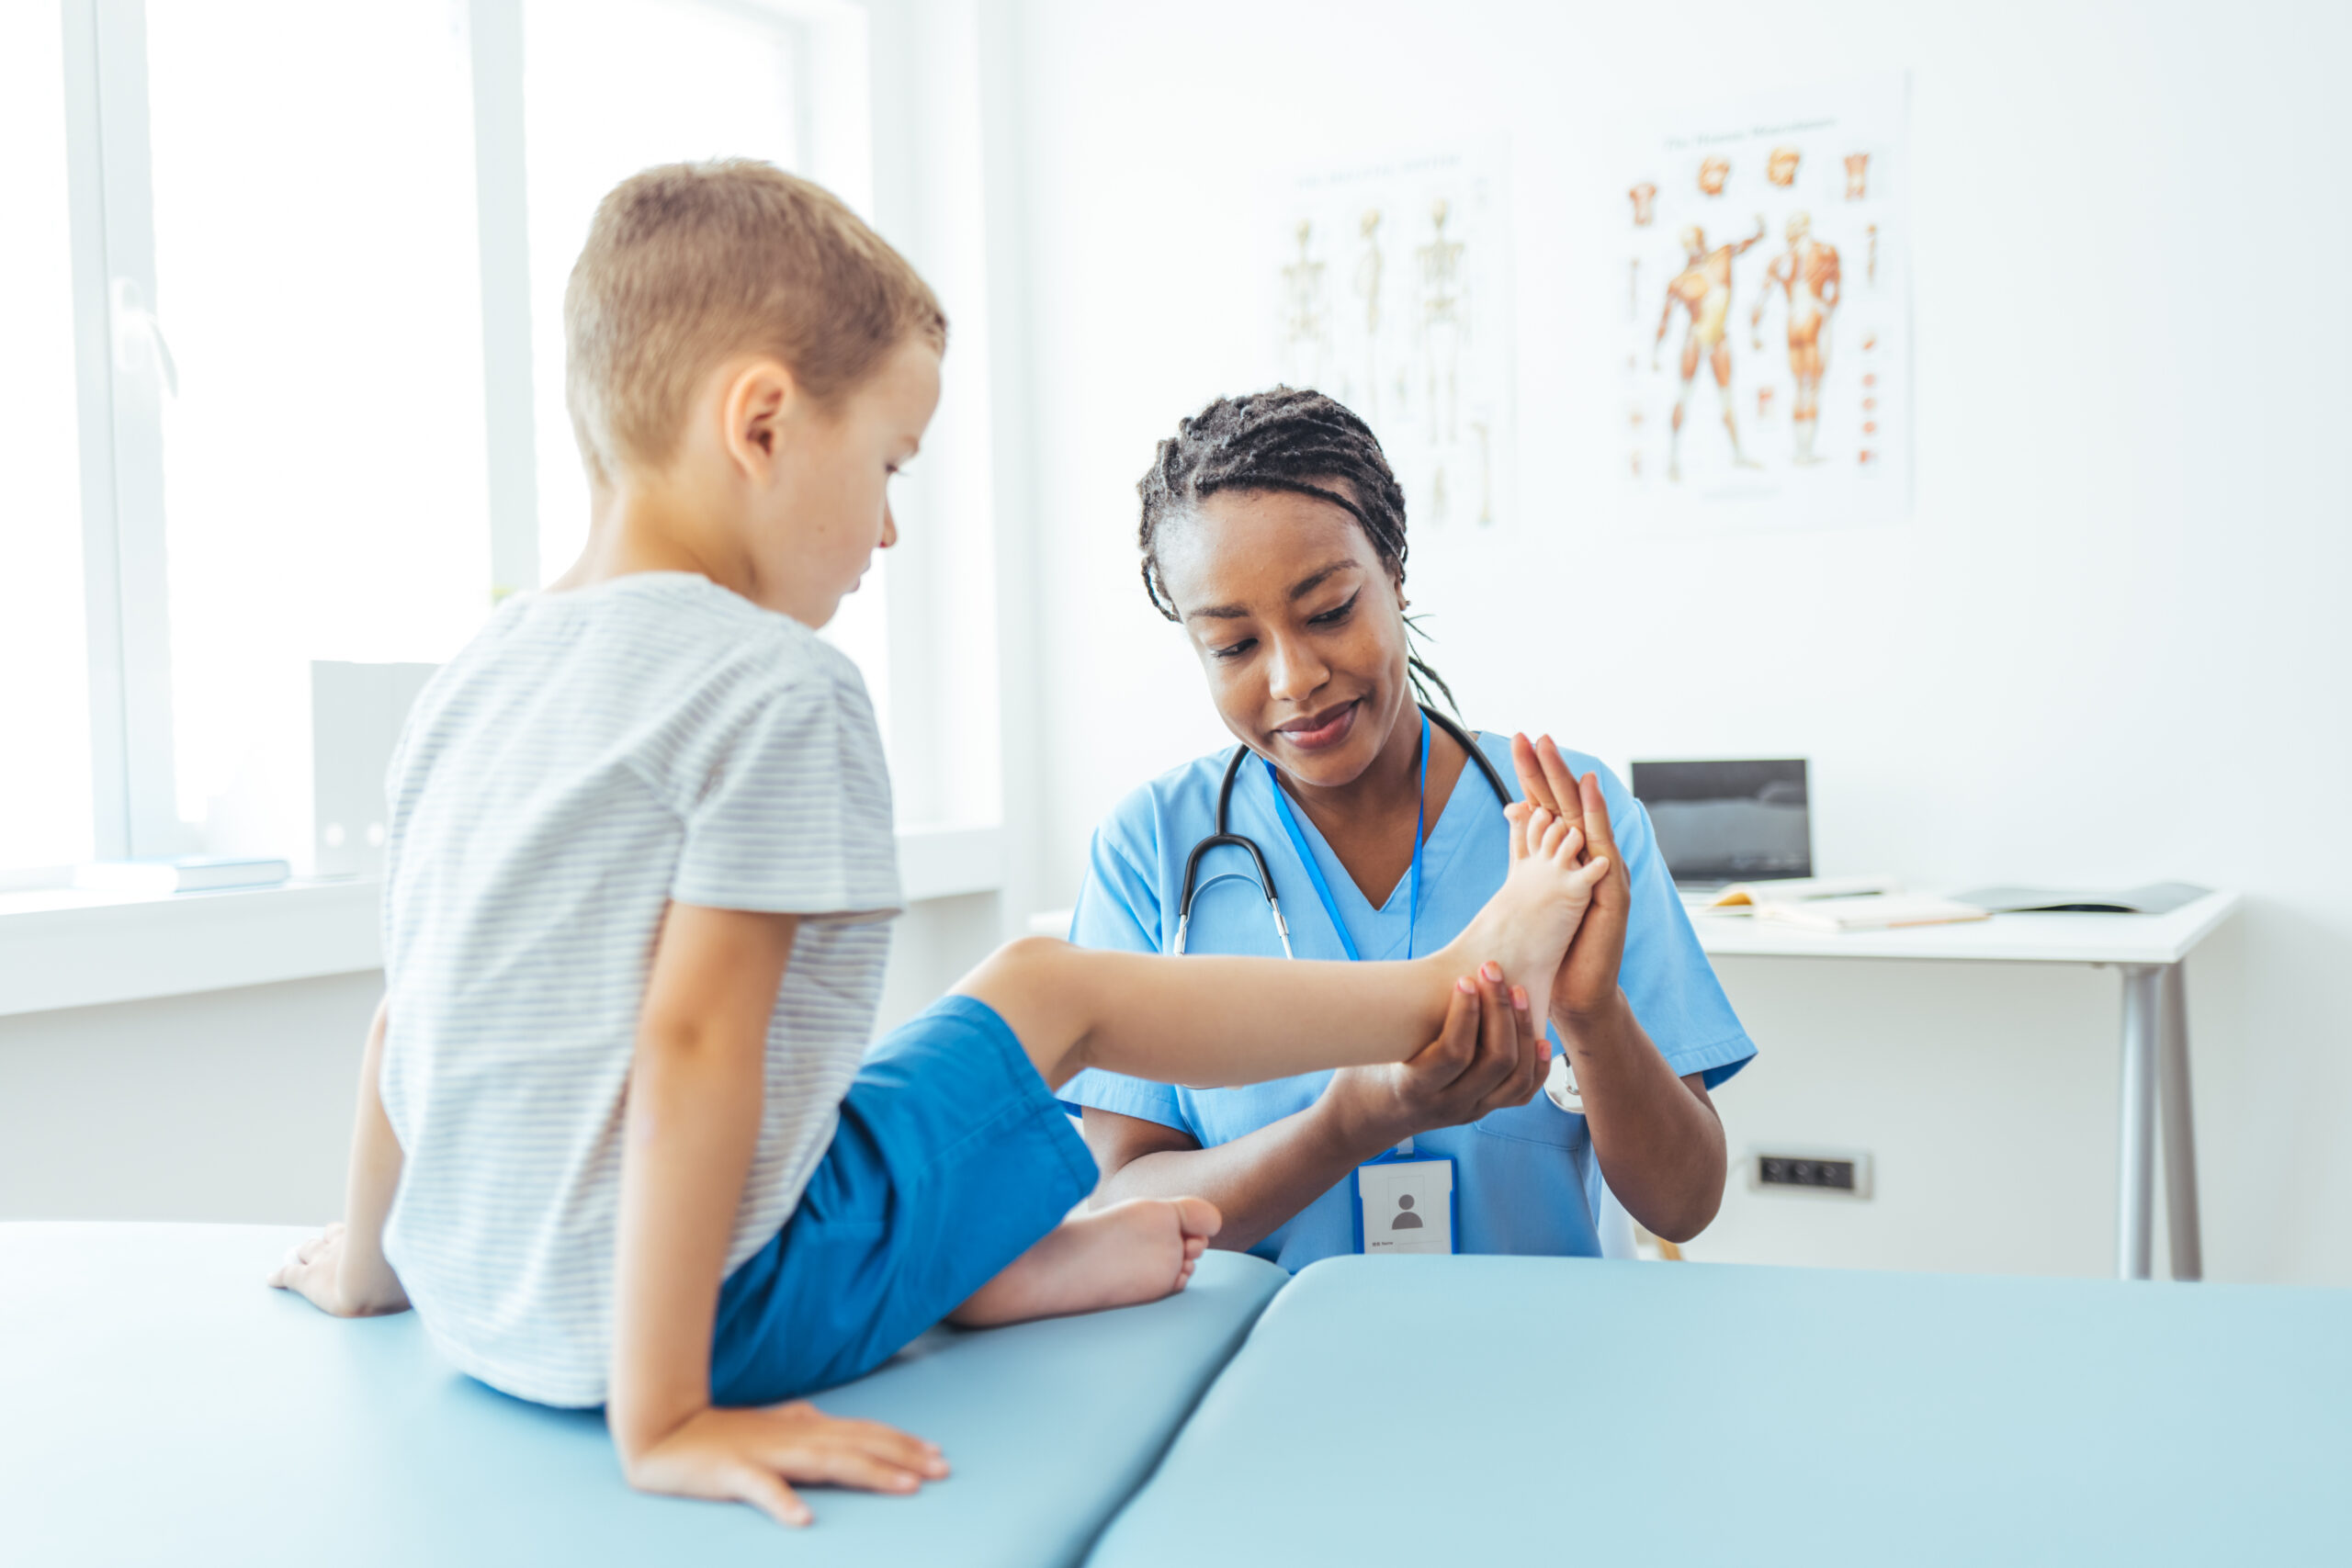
x,y
1525,1177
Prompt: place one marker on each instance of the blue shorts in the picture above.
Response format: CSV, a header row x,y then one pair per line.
x,y
952,1159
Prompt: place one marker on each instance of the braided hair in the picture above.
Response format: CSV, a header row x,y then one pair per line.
x,y
1286,439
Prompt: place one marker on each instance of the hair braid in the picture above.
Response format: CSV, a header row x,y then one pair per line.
x,y
1285,439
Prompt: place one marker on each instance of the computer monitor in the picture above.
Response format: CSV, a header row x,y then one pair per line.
x,y
1731,821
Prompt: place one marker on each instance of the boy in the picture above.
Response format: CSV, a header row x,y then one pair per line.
x,y
608,1144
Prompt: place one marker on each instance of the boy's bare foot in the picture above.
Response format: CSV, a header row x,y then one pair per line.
x,y
1131,1252
1526,927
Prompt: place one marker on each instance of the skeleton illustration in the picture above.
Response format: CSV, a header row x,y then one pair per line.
x,y
1369,267
1443,323
1306,333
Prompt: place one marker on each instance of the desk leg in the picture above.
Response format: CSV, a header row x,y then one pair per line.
x,y
2135,1218
2180,1136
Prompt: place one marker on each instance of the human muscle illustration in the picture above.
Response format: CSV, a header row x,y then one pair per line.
x,y
1818,179
1807,276
1702,289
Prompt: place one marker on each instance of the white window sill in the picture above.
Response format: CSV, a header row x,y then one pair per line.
x,y
61,948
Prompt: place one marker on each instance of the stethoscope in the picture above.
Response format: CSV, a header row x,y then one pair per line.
x,y
1243,842
1559,1087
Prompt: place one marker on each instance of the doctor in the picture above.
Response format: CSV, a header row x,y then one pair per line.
x,y
1273,534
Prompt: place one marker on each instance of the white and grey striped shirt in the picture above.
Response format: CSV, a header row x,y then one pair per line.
x,y
588,757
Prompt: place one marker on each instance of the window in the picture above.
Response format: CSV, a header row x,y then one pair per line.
x,y
44,700
317,274
308,402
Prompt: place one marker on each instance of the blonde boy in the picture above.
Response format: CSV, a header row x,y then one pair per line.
x,y
615,1140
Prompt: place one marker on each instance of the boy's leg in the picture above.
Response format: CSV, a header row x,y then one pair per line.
x,y
949,1161
1208,1021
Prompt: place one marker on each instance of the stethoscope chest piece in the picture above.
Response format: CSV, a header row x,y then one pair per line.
x,y
1560,1086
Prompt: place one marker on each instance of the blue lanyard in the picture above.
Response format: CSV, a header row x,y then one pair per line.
x,y
1315,872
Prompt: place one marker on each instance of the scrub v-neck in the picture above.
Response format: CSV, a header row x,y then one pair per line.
x,y
1438,850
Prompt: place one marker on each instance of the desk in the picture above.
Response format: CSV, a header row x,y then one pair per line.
x,y
1500,1411
158,1405
2148,949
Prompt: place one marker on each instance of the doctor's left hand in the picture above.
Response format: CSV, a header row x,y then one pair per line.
x,y
1488,1056
1587,984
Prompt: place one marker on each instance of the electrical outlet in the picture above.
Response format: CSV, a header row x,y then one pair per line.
x,y
1829,1173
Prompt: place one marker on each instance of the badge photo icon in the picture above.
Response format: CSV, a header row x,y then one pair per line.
x,y
1405,1219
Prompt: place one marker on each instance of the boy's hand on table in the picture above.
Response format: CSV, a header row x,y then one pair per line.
x,y
748,1456
314,1269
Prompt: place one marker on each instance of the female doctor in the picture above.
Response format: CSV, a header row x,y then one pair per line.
x,y
1356,822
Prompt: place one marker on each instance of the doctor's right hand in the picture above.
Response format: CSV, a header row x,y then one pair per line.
x,y
1490,1055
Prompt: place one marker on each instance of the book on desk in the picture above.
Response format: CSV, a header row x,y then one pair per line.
x,y
1840,904
1879,903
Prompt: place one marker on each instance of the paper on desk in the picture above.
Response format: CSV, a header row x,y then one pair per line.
x,y
1801,890
1874,913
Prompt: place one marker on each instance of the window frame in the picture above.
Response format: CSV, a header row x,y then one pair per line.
x,y
122,361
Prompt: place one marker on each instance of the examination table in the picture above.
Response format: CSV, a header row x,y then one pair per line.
x,y
157,1405
1523,1410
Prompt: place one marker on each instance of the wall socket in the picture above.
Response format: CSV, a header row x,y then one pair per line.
x,y
1827,1173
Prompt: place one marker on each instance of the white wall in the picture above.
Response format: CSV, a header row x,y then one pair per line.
x,y
236,1106
230,1106
2115,645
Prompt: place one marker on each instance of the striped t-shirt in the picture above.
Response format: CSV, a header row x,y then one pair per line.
x,y
588,757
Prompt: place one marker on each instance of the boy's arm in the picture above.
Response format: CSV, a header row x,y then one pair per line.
x,y
693,1122
343,1269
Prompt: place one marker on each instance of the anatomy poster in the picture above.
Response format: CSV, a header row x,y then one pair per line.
x,y
1391,291
1764,358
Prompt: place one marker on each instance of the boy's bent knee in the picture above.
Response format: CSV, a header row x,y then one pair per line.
x,y
1029,983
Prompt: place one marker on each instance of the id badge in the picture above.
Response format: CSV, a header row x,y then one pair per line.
x,y
1406,1204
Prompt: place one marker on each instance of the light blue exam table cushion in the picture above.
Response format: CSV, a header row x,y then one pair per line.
x,y
158,1404
1516,1410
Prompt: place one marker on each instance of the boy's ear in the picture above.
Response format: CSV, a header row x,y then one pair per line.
x,y
760,400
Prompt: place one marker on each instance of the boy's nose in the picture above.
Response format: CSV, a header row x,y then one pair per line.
x,y
890,527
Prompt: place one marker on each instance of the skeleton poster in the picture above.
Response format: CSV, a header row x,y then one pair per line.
x,y
1764,355
1391,291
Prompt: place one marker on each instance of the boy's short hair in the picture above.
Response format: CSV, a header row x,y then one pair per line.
x,y
689,263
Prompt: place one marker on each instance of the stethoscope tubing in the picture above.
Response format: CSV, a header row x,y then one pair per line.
x,y
1225,835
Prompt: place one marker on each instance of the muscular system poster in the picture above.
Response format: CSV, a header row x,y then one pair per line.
x,y
1764,357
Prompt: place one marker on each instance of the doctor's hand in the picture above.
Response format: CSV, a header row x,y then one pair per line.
x,y
1587,984
1490,1054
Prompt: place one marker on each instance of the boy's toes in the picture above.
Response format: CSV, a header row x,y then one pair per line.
x,y
1198,1217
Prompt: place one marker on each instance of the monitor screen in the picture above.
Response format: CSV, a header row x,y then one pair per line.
x,y
1735,821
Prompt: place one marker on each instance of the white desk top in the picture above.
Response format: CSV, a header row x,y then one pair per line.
x,y
2005,939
